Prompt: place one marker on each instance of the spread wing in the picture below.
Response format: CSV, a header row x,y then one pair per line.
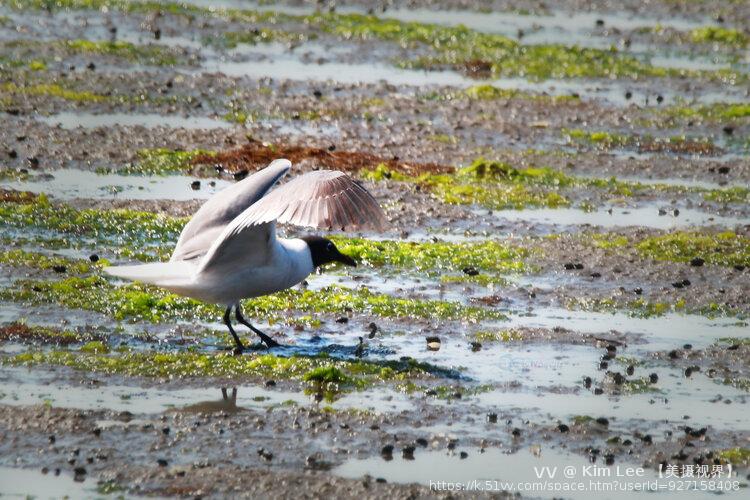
x,y
323,199
223,207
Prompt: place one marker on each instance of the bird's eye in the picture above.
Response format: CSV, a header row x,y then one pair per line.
x,y
329,246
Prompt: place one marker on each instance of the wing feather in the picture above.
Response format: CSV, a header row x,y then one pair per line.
x,y
323,199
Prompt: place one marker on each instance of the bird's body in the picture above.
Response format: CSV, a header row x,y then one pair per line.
x,y
229,250
287,264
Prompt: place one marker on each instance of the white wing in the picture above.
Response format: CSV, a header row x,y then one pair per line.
x,y
323,199
223,207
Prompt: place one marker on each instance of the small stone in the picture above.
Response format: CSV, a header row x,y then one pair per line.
x,y
476,346
270,383
603,365
59,268
516,432
342,319
596,275
94,258
570,266
653,378
602,421
697,262
628,95
618,378
630,370
723,169
729,130
638,290
660,99
598,391
161,462
317,93
433,343
600,22
195,185
422,442
647,439
51,438
265,454
470,271
563,428
578,266
97,432
165,431
609,459
407,452
587,382
79,471
492,418
91,66
463,455
157,34
239,175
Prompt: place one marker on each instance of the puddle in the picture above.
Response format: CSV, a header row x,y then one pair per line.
x,y
619,217
73,183
537,475
27,483
70,120
288,68
662,332
24,387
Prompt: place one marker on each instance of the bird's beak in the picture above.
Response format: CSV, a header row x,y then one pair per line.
x,y
345,259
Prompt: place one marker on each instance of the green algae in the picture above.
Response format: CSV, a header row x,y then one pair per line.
x,y
124,226
148,54
640,385
136,301
95,347
735,456
719,111
499,336
50,90
35,260
490,92
609,140
232,39
437,257
719,35
317,370
722,249
162,161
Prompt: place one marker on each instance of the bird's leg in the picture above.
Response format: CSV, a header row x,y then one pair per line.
x,y
239,347
263,337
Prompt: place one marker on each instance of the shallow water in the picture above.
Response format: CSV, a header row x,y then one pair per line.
x,y
74,183
72,120
484,468
27,483
32,387
619,217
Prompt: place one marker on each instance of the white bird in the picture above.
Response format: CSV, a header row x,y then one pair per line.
x,y
229,250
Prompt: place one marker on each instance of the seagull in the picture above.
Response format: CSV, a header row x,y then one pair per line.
x,y
229,250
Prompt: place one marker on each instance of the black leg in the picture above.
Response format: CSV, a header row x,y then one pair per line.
x,y
239,347
263,337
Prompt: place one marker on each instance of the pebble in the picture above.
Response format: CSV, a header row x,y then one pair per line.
x,y
407,452
342,319
653,378
630,370
638,290
470,271
587,382
563,428
195,185
239,175
697,262
492,418
598,391
602,421
433,343
94,258
516,432
387,452
464,455
59,269
475,346
161,462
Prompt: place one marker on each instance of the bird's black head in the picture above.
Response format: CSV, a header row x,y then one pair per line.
x,y
324,251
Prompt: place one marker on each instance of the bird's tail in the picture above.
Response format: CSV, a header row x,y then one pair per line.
x,y
158,273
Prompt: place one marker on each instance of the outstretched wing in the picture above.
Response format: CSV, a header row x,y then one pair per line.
x,y
223,207
322,199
